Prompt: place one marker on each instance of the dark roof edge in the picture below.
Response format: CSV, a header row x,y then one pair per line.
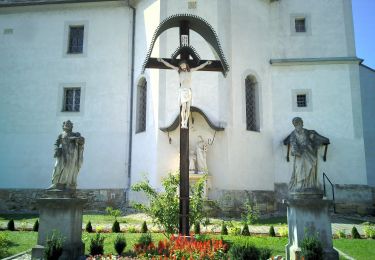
x,y
193,109
48,2
367,67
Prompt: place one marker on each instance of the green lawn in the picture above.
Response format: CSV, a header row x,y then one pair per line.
x,y
359,249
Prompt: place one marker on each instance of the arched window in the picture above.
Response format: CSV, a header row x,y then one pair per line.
x,y
252,104
141,105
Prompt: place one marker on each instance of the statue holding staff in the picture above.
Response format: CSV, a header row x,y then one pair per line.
x,y
69,158
184,73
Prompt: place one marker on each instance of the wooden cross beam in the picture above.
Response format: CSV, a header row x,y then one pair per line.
x,y
154,64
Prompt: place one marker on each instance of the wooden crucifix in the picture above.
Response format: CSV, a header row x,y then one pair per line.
x,y
185,52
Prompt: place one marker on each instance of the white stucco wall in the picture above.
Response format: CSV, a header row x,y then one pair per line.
x,y
333,98
33,71
367,77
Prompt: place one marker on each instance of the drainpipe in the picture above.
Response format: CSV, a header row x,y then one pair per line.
x,y
131,106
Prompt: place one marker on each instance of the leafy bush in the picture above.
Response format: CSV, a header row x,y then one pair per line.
x,y
36,226
197,228
97,245
132,229
245,230
10,225
54,246
224,229
88,227
113,212
271,232
311,248
244,252
369,230
145,239
341,234
144,228
251,213
355,233
120,244
164,206
265,253
4,245
116,227
283,231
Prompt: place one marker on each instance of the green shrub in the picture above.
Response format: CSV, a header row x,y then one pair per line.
x,y
251,213
369,230
164,206
120,244
145,239
244,252
355,233
4,245
311,248
10,225
132,229
54,246
265,253
283,231
88,227
271,232
36,226
341,234
224,229
97,245
144,228
113,212
116,227
245,230
197,228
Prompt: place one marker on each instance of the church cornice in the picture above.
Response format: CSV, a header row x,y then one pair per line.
x,y
11,3
313,61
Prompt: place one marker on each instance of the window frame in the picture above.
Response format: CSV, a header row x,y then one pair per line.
x,y
67,29
74,89
256,99
62,99
300,16
141,106
308,94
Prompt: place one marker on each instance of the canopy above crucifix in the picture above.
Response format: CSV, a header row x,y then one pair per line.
x,y
200,26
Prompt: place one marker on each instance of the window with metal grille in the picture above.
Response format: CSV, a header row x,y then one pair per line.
x,y
300,24
141,106
75,44
72,99
301,100
251,104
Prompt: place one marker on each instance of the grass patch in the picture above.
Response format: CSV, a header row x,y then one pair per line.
x,y
20,241
356,248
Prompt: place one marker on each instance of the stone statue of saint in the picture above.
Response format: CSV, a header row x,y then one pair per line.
x,y
192,162
201,151
184,73
304,148
69,157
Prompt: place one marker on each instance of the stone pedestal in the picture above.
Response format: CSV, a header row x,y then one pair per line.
x,y
309,216
63,213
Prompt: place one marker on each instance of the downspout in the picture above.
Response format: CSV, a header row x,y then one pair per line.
x,y
131,106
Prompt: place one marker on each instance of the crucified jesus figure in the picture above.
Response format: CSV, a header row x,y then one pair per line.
x,y
184,73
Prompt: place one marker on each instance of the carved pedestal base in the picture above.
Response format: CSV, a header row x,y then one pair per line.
x,y
63,214
309,216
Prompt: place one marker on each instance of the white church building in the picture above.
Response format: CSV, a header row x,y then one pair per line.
x,y
83,60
